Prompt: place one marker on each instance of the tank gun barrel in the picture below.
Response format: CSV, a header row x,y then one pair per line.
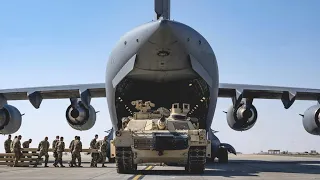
x,y
162,123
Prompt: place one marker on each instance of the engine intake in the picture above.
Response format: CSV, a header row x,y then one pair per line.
x,y
243,118
81,118
311,120
10,119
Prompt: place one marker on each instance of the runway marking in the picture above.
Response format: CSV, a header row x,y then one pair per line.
x,y
140,176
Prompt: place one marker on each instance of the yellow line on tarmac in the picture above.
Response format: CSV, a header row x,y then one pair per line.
x,y
136,177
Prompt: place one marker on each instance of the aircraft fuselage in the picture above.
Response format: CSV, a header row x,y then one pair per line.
x,y
166,62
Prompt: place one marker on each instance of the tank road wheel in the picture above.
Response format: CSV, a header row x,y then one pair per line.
x,y
196,160
223,155
124,160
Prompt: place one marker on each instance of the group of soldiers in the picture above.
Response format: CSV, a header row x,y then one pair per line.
x,y
58,147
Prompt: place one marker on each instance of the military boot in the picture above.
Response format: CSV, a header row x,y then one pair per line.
x,y
79,164
55,163
61,165
103,165
36,163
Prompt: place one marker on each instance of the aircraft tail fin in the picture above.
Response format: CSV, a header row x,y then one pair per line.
x,y
162,9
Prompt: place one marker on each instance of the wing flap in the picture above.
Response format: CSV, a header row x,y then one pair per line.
x,y
55,92
267,92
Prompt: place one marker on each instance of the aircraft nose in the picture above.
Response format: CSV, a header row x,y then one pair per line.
x,y
164,22
164,25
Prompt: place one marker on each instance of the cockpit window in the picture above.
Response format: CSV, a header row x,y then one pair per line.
x,y
181,125
179,117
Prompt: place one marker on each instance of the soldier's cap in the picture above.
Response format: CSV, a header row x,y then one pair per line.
x,y
19,136
96,135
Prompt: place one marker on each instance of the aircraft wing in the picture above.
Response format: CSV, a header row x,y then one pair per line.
x,y
36,94
86,91
287,94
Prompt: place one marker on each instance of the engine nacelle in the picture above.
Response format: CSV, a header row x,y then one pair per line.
x,y
80,117
242,118
10,119
311,120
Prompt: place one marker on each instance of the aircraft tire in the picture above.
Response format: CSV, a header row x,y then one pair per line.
x,y
223,155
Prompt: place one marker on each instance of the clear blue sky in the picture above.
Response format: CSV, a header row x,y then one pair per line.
x,y
256,42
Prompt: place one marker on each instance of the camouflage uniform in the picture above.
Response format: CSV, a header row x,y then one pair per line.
x,y
70,146
60,148
17,151
94,155
103,147
26,144
55,155
75,150
43,148
7,147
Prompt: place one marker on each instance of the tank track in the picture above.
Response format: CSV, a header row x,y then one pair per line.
x,y
124,160
196,160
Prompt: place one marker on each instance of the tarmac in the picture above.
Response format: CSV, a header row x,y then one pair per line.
x,y
239,167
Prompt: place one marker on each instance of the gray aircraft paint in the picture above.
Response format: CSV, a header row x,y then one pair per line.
x,y
187,43
146,66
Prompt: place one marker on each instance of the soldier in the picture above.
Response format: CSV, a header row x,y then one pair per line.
x,y
7,145
26,144
103,147
17,150
55,155
94,155
43,148
71,143
60,148
70,146
75,150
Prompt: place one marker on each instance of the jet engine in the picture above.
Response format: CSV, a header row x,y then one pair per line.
x,y
242,118
10,119
80,117
311,120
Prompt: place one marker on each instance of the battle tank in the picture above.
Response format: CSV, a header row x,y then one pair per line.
x,y
161,136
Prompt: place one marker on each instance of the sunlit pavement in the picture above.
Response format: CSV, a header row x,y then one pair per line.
x,y
239,167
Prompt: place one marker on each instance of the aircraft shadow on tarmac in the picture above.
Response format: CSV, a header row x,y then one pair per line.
x,y
246,168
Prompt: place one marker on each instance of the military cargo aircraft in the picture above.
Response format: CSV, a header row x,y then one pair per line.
x,y
163,61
